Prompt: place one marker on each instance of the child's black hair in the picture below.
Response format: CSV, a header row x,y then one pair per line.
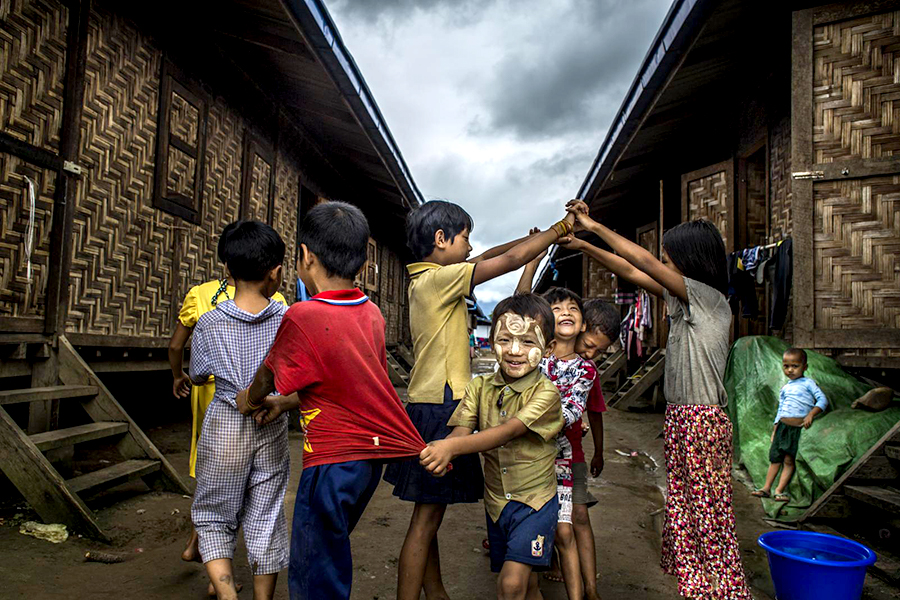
x,y
602,316
423,222
697,249
338,234
798,352
253,249
526,305
222,246
561,294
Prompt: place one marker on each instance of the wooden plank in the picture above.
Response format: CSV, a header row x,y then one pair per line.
x,y
848,474
14,368
837,506
76,435
53,392
129,366
872,362
847,10
406,354
21,325
854,338
879,497
43,413
801,160
650,375
118,341
30,154
117,474
39,483
892,451
611,367
104,407
877,468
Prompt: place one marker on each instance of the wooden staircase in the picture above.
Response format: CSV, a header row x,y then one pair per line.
x,y
396,371
22,458
611,368
645,377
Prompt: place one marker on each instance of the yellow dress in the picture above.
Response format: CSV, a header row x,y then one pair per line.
x,y
199,300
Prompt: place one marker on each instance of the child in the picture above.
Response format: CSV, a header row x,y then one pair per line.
x,y
438,235
199,300
799,403
242,469
330,350
517,414
699,544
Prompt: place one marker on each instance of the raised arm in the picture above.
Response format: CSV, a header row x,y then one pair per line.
x,y
618,265
526,281
523,253
635,255
497,250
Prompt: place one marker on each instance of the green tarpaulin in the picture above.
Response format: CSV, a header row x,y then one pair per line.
x,y
835,440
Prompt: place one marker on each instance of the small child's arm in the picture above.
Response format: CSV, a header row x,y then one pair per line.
x,y
596,420
461,440
526,282
251,399
821,404
181,384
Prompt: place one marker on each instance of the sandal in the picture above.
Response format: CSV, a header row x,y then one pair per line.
x,y
782,498
760,493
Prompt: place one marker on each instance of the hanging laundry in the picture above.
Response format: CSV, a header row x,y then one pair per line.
x,y
781,283
741,288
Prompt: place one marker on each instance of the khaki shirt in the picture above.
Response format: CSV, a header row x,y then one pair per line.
x,y
523,469
439,326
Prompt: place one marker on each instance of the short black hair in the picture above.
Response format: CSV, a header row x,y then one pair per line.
x,y
338,234
526,305
697,249
600,315
253,249
222,246
423,222
560,294
799,352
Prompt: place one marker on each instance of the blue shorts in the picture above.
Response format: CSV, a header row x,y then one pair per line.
x,y
330,500
523,535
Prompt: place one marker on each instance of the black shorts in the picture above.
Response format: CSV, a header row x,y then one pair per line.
x,y
785,443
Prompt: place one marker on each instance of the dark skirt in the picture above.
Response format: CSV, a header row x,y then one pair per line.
x,y
465,483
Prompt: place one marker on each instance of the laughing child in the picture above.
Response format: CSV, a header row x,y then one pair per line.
x,y
517,414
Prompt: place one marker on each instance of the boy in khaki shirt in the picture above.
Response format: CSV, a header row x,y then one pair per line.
x,y
517,414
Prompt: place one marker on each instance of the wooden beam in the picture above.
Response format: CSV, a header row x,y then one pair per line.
x,y
116,341
30,154
129,366
10,325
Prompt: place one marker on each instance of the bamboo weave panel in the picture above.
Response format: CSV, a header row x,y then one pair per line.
x,y
284,218
708,199
780,194
856,107
20,297
856,251
598,281
756,203
32,70
258,206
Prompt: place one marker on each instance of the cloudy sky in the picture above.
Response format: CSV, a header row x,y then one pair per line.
x,y
499,105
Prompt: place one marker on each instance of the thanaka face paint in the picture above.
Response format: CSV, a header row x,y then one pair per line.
x,y
519,344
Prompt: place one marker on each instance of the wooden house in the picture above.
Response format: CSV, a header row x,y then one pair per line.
x,y
142,130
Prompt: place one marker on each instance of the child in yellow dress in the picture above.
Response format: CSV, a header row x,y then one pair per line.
x,y
198,301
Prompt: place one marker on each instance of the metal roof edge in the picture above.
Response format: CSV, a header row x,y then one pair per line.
x,y
316,25
676,26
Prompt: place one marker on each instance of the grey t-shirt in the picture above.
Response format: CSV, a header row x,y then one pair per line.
x,y
698,346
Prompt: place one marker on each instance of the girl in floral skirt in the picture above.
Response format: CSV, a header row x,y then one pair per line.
x,y
699,545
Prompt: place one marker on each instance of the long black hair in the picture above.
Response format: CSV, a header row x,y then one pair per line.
x,y
697,249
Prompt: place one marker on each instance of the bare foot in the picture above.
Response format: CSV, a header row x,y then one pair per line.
x,y
192,550
553,575
211,591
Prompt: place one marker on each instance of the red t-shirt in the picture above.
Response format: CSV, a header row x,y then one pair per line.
x,y
596,402
331,350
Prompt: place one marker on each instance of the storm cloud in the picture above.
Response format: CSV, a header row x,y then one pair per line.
x,y
499,105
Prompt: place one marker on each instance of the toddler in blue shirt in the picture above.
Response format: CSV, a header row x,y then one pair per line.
x,y
798,404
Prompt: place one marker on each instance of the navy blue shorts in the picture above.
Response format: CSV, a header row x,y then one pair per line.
x,y
330,500
523,535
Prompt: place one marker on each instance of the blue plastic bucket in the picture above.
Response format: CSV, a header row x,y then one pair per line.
x,y
816,566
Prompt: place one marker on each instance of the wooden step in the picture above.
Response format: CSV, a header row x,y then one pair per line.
x,y
892,451
56,392
76,435
879,497
112,476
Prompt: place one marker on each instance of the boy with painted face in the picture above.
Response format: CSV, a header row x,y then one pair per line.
x,y
517,414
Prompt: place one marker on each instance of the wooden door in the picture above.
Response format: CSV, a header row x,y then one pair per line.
x,y
846,170
709,194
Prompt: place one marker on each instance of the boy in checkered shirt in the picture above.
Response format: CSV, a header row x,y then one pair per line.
x,y
242,468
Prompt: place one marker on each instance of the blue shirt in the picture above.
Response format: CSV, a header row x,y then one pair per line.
x,y
798,397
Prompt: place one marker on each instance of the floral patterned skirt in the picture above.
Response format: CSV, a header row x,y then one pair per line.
x,y
699,545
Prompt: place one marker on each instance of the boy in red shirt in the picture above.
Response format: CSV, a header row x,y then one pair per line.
x,y
329,359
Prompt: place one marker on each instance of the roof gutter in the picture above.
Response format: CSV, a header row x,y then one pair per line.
x,y
319,30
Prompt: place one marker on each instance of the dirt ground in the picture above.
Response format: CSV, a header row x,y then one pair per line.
x,y
150,529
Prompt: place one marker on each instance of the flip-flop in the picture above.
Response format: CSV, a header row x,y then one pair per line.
x,y
782,498
760,494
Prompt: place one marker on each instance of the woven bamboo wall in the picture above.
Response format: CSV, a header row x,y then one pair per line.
x,y
780,198
598,281
284,217
856,223
390,295
708,199
32,67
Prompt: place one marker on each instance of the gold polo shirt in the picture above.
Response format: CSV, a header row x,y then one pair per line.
x,y
523,469
439,327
